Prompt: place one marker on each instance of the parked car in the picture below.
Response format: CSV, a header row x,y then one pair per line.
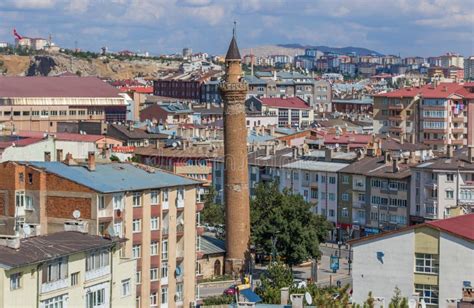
x,y
230,290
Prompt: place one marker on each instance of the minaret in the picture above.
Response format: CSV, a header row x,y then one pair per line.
x,y
236,188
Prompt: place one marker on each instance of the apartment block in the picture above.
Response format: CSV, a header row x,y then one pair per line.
x,y
427,262
155,209
443,187
373,196
434,115
65,269
39,103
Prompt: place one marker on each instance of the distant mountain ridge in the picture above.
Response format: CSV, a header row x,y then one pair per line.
x,y
343,50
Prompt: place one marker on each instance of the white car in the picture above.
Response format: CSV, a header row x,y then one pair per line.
x,y
299,283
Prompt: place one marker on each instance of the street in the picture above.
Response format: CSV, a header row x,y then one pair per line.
x,y
326,277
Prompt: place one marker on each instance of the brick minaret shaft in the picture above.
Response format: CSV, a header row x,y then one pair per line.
x,y
236,188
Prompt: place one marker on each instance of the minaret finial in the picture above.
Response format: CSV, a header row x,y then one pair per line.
x,y
235,28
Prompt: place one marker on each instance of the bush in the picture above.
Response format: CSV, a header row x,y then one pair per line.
x,y
218,300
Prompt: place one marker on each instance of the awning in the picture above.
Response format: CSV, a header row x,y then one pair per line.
x,y
250,295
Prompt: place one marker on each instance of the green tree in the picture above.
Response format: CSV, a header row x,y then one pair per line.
x,y
398,301
212,213
329,296
277,276
370,301
283,222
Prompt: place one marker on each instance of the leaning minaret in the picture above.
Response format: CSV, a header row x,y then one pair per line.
x,y
236,188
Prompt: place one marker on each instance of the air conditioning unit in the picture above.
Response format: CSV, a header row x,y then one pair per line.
x,y
76,225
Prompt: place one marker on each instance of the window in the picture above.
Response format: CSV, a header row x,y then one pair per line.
x,y
153,274
101,202
97,259
95,298
118,229
345,179
314,193
137,225
332,196
331,213
332,180
164,270
15,280
180,194
155,223
138,277
164,250
20,198
54,302
361,197
55,270
450,177
449,194
118,201
165,195
164,295
136,251
126,287
426,263
74,278
429,293
30,178
345,212
154,197
179,292
153,299
28,203
137,199
154,248
345,197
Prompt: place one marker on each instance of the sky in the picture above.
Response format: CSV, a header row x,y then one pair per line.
x,y
405,27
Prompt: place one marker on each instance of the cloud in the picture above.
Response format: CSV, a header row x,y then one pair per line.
x,y
31,4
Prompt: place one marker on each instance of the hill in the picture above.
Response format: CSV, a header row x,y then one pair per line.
x,y
342,50
53,64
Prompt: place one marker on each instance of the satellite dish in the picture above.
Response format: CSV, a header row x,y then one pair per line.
x,y
76,214
26,229
308,298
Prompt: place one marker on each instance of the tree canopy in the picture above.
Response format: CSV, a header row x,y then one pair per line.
x,y
212,213
284,222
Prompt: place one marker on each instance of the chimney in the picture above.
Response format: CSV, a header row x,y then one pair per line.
x,y
91,161
208,105
70,160
449,151
360,154
470,151
328,154
284,295
386,157
296,300
402,139
59,155
267,149
395,167
295,152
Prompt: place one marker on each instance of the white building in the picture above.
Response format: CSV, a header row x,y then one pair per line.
x,y
316,181
443,187
469,68
429,262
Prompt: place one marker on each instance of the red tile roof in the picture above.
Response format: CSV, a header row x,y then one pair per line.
x,y
62,136
145,90
443,90
19,143
462,225
290,102
84,87
347,138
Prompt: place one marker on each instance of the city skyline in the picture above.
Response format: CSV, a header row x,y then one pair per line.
x,y
424,28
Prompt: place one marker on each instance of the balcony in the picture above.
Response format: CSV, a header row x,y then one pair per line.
x,y
54,285
358,204
165,205
457,119
435,130
165,231
179,230
433,107
396,107
396,129
457,141
431,184
359,186
397,117
435,141
457,130
180,204
96,273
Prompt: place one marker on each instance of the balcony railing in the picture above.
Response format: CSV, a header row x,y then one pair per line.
x,y
96,273
55,285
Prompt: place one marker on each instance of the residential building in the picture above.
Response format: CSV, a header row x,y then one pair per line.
x,y
364,105
132,136
39,103
443,187
435,115
155,209
428,262
451,59
374,195
291,111
167,113
469,68
186,85
66,269
211,265
316,181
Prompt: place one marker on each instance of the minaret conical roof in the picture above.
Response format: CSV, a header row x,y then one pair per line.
x,y
233,51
